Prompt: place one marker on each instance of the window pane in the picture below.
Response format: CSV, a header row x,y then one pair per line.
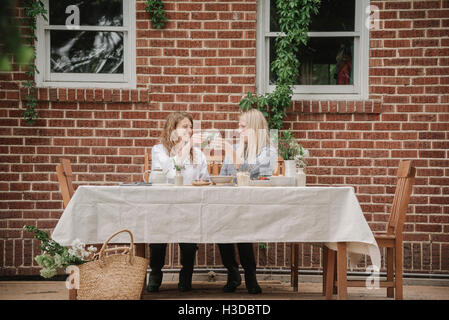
x,y
324,61
274,20
91,12
334,15
86,51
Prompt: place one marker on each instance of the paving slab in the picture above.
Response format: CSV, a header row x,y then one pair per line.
x,y
272,290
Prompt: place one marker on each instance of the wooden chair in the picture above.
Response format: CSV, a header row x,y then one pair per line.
x,y
214,163
280,167
65,179
391,239
146,164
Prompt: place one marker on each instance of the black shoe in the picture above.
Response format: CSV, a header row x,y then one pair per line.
x,y
184,288
151,288
251,283
254,290
234,280
185,281
155,281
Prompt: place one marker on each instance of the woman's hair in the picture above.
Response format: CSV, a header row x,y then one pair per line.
x,y
169,137
258,136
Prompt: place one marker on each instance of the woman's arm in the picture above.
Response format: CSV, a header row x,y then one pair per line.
x,y
265,162
160,158
204,173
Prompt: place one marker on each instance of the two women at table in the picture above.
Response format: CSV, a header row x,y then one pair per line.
x,y
253,154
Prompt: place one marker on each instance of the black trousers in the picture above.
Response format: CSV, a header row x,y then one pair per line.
x,y
157,257
246,254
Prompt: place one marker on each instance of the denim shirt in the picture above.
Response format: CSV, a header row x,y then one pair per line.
x,y
265,164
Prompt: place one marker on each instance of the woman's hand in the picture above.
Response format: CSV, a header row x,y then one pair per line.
x,y
196,139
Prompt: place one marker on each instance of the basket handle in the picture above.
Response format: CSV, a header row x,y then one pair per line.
x,y
131,247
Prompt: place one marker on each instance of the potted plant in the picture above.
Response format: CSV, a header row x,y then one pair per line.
x,y
293,153
179,179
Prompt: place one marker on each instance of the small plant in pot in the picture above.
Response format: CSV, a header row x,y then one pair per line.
x,y
293,153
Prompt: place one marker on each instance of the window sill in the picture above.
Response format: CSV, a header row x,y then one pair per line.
x,y
88,95
334,106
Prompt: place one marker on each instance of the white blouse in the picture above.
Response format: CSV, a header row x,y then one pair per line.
x,y
160,159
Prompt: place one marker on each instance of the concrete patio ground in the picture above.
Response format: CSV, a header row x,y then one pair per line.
x,y
274,288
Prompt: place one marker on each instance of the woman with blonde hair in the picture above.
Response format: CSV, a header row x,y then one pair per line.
x,y
177,147
254,154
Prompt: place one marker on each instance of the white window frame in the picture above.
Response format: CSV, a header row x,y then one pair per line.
x,y
358,91
127,80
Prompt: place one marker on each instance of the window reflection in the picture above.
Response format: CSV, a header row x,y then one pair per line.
x,y
333,15
324,61
86,51
92,12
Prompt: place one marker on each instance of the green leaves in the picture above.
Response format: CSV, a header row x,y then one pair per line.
x,y
27,55
157,14
54,255
294,19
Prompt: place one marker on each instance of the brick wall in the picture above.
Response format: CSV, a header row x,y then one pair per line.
x,y
203,63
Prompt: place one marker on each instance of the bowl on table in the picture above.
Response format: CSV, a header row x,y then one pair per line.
x,y
222,179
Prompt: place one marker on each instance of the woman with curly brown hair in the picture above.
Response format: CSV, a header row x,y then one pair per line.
x,y
177,147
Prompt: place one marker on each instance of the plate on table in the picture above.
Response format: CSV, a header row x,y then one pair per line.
x,y
200,183
135,184
260,183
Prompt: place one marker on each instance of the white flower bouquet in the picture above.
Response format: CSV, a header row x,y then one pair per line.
x,y
54,256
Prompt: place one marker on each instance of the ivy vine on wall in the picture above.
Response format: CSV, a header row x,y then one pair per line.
x,y
32,9
294,19
157,14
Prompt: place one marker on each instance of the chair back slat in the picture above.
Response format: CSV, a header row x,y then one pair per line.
x,y
214,161
67,170
146,164
406,178
63,185
280,167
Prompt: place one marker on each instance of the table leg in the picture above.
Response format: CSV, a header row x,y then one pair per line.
x,y
330,273
141,252
342,261
72,294
294,267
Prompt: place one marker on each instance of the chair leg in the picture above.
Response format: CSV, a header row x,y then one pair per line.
x,y
398,270
390,271
324,257
330,273
294,267
140,250
335,289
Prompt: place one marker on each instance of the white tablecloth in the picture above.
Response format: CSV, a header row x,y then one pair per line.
x,y
164,214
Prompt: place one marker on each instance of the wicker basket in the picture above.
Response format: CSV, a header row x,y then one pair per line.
x,y
113,277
